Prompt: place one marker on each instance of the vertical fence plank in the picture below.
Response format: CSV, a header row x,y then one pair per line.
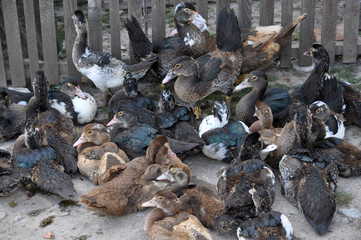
x,y
69,7
49,41
31,36
287,12
351,31
244,14
328,34
158,20
306,31
202,8
13,42
135,10
220,4
115,28
267,10
3,82
95,35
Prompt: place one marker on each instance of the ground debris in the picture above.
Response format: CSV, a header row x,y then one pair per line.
x,y
47,221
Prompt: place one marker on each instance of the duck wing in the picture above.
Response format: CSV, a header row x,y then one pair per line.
x,y
332,94
352,98
209,67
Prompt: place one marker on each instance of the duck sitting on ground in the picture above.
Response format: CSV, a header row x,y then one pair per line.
x,y
223,136
168,222
102,198
98,158
12,118
189,42
10,177
215,71
101,68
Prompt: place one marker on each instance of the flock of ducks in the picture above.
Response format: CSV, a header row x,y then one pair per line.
x,y
134,157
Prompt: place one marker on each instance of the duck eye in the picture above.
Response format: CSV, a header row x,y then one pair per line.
x,y
318,110
90,132
314,50
120,113
160,198
254,77
173,170
187,10
178,65
69,84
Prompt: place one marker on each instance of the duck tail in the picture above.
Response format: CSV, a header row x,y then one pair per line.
x,y
317,203
282,37
141,46
229,36
332,93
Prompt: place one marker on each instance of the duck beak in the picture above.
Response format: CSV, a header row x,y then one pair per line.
x,y
150,203
113,121
80,141
79,93
164,176
174,32
308,53
250,191
241,86
169,77
197,18
170,152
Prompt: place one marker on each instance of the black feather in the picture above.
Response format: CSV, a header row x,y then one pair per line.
x,y
228,33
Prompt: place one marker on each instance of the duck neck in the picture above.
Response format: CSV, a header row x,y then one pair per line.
x,y
155,215
266,121
80,45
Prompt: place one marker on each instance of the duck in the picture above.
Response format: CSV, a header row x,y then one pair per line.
x,y
40,166
97,155
12,118
271,225
18,96
223,136
352,98
104,70
71,101
277,99
238,179
333,122
102,197
310,189
130,100
10,177
166,221
215,71
190,40
50,126
133,137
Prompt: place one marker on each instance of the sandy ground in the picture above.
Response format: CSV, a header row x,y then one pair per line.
x,y
22,221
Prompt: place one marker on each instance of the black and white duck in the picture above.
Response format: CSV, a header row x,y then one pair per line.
x,y
101,68
223,136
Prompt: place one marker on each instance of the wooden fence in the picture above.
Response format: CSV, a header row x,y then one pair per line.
x,y
14,72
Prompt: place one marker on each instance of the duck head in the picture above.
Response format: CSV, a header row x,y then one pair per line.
x,y
185,13
167,101
70,87
95,133
124,119
264,113
32,135
251,147
256,79
318,53
4,101
159,150
80,21
166,201
220,110
130,85
179,175
182,66
319,110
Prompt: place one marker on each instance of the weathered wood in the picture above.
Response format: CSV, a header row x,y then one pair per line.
x,y
3,82
31,36
266,12
115,29
244,14
351,31
287,12
328,32
48,37
69,7
95,35
13,43
202,8
306,31
220,4
135,10
158,21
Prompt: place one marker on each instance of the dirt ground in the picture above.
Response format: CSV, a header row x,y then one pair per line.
x,y
20,216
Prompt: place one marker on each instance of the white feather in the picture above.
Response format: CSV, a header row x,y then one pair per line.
x,y
215,151
287,226
86,108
